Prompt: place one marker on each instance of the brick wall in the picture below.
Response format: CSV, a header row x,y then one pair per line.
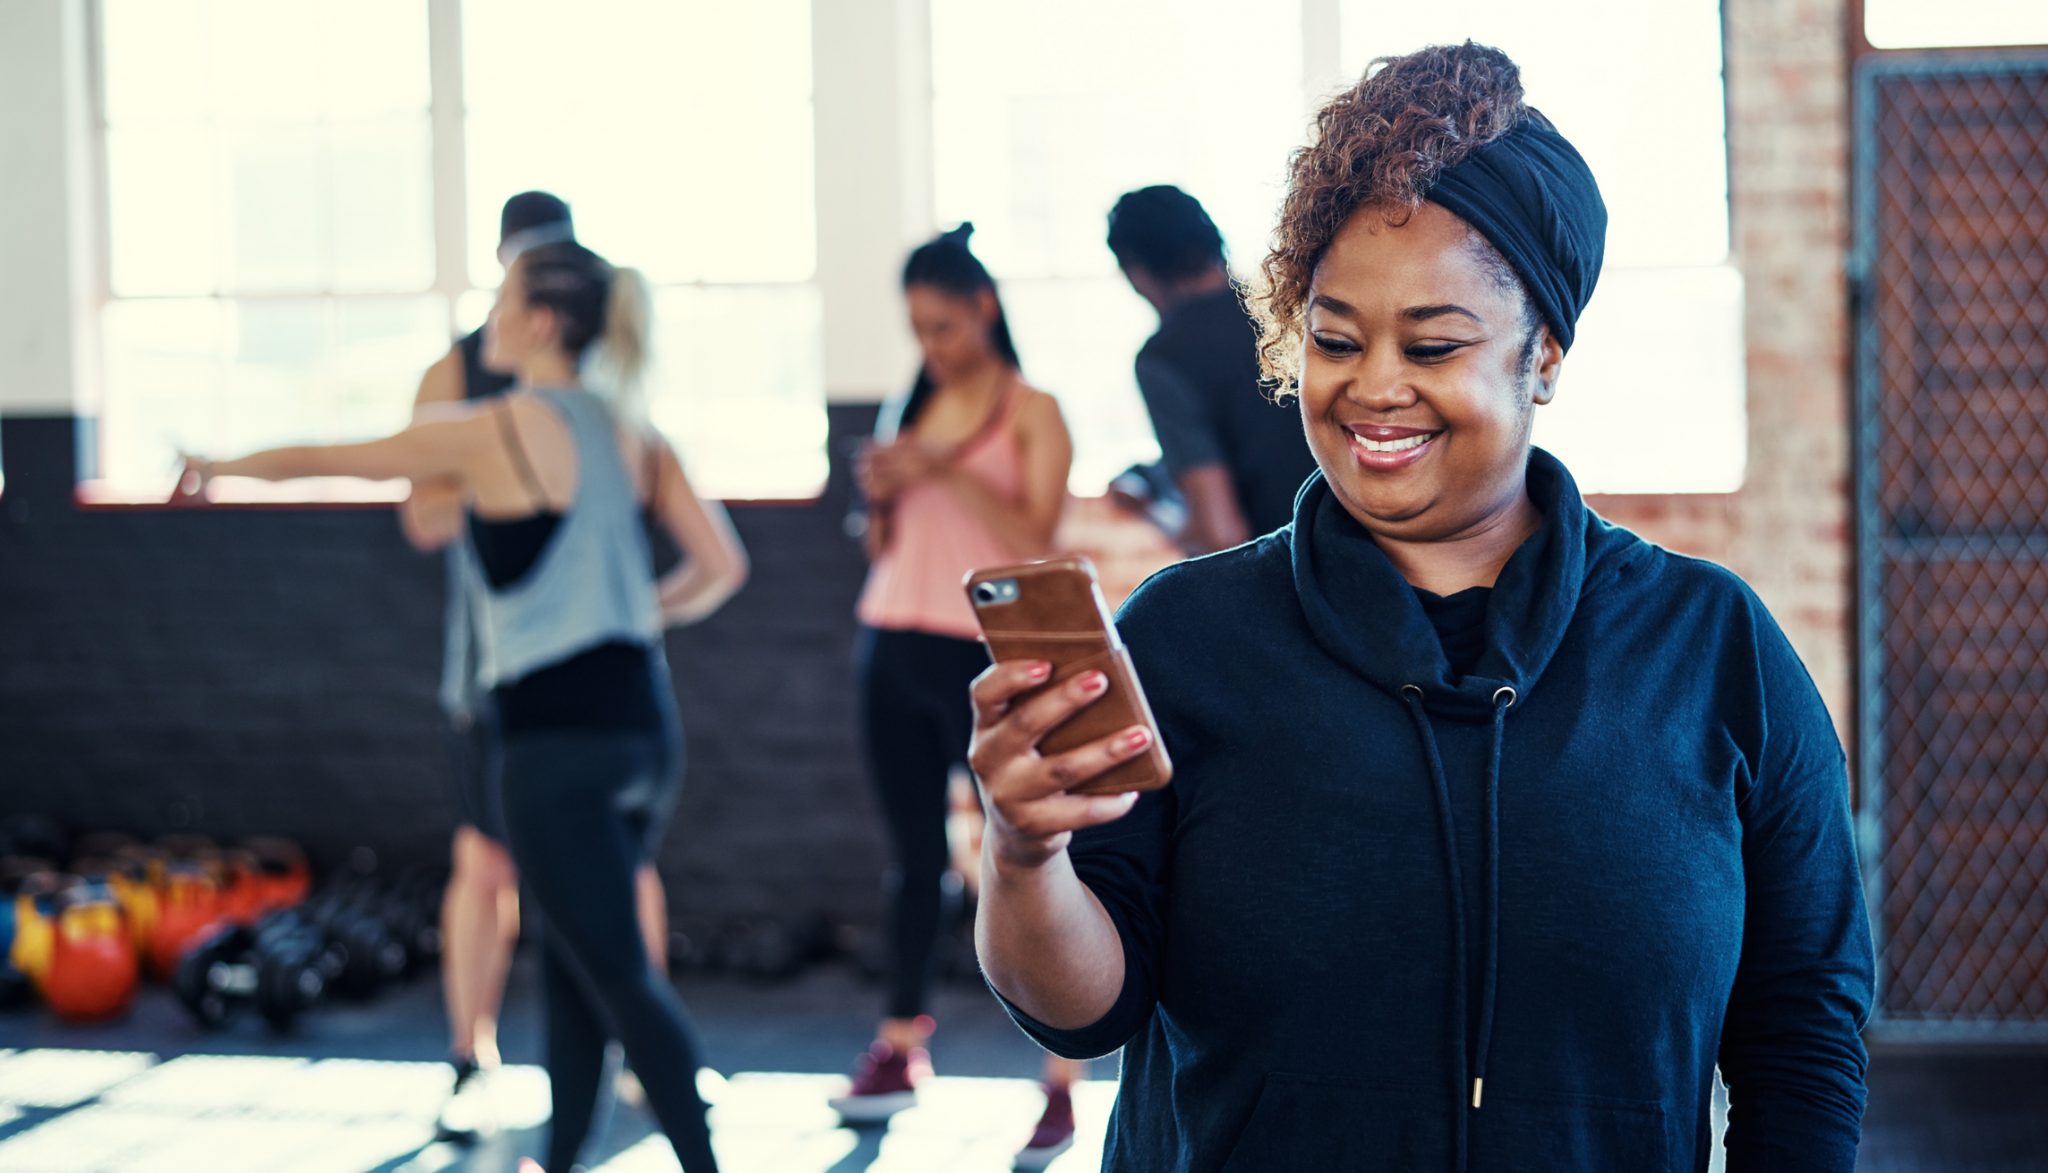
x,y
1788,140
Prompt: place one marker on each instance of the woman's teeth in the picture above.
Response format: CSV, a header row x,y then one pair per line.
x,y
1401,445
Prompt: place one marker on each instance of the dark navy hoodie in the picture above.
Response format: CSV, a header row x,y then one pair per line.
x,y
1614,857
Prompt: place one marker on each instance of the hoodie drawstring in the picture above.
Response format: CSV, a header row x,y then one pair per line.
x,y
1442,789
1503,699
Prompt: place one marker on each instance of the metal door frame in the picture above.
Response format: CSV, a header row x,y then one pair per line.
x,y
1870,68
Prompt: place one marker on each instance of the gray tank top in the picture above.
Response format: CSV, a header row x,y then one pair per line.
x,y
590,585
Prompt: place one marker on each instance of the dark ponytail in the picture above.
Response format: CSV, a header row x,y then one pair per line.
x,y
945,263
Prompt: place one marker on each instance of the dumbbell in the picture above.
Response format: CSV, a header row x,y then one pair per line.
x,y
287,985
348,913
411,913
293,963
275,965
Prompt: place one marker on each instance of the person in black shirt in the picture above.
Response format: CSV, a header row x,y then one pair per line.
x,y
1237,456
480,909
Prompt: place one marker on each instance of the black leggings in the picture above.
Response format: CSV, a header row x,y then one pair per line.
x,y
917,718
584,808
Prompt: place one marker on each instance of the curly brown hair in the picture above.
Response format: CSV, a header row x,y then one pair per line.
x,y
1382,143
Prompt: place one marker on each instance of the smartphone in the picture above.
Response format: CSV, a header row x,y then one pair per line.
x,y
1054,611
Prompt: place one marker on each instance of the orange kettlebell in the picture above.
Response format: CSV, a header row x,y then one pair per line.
x,y
190,906
93,969
281,872
241,888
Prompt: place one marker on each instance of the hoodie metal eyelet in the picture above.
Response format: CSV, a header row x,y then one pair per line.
x,y
1505,690
1412,690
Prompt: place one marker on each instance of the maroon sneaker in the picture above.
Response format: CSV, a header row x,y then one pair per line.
x,y
884,1083
1054,1134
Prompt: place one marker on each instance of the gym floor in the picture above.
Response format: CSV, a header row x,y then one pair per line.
x,y
359,1086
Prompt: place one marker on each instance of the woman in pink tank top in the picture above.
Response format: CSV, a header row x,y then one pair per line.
x,y
968,470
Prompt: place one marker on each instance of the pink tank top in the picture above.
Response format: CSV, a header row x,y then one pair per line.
x,y
935,539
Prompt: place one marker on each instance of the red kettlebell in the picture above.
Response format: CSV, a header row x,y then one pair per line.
x,y
190,906
93,968
241,888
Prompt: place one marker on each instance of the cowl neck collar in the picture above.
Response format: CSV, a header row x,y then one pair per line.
x,y
1363,613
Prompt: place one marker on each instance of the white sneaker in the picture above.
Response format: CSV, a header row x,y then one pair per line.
x,y
627,1090
468,1115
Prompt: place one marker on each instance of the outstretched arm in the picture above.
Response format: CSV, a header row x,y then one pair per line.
x,y
436,448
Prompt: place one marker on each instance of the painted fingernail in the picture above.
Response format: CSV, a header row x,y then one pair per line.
x,y
1094,682
1039,671
1137,739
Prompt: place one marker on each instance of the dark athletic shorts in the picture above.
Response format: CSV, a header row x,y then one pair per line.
x,y
476,762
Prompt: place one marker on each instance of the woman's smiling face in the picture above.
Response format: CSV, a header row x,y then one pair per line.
x,y
1421,371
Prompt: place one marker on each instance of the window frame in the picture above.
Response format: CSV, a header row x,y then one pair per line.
x,y
843,296
447,121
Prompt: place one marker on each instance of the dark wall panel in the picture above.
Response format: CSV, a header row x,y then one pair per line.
x,y
235,671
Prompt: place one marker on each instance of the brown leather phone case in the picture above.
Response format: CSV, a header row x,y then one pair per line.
x,y
1054,611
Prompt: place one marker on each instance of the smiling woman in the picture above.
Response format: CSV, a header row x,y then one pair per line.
x,y
1419,870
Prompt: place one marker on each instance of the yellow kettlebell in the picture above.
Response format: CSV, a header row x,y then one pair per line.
x,y
138,900
35,931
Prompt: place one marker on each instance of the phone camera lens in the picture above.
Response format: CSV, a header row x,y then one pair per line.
x,y
985,592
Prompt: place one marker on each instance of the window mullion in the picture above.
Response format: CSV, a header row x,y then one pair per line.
x,y
450,153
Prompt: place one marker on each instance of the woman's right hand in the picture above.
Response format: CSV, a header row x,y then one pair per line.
x,y
886,470
1031,815
193,474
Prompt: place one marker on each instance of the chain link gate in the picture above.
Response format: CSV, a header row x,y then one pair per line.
x,y
1951,416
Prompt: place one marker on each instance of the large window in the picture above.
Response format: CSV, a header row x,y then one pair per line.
x,y
1917,24
269,225
277,267
1086,100
1044,113
681,136
1652,398
301,202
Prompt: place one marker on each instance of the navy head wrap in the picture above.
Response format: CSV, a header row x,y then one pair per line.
x,y
1533,198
